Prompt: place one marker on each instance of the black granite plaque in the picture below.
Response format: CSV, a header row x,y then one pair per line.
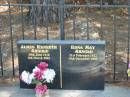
x,y
79,65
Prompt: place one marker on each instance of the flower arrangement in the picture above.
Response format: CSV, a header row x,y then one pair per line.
x,y
40,75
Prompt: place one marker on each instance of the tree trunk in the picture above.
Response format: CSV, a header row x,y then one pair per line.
x,y
44,14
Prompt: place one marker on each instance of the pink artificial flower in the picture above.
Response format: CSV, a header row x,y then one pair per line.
x,y
43,66
41,89
38,75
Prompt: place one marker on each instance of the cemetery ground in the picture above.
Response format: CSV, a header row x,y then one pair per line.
x,y
110,91
100,26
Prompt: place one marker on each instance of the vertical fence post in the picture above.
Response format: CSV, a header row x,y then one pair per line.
x,y
1,60
102,34
35,21
21,7
74,25
128,52
61,17
11,38
33,8
114,54
87,19
47,19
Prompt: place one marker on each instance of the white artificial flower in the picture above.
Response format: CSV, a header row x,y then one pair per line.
x,y
31,76
36,69
49,75
25,76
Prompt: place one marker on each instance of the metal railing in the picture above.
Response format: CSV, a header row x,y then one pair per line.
x,y
60,29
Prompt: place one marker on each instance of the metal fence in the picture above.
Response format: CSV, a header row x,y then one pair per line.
x,y
63,21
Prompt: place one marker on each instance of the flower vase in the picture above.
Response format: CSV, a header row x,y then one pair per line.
x,y
41,90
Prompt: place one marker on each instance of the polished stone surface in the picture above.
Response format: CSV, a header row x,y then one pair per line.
x,y
78,64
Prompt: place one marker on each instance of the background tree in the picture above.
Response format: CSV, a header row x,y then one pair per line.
x,y
51,13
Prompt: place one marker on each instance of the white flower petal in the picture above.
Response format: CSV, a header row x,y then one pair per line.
x,y
36,69
25,76
49,75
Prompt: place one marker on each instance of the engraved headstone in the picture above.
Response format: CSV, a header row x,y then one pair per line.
x,y
79,65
